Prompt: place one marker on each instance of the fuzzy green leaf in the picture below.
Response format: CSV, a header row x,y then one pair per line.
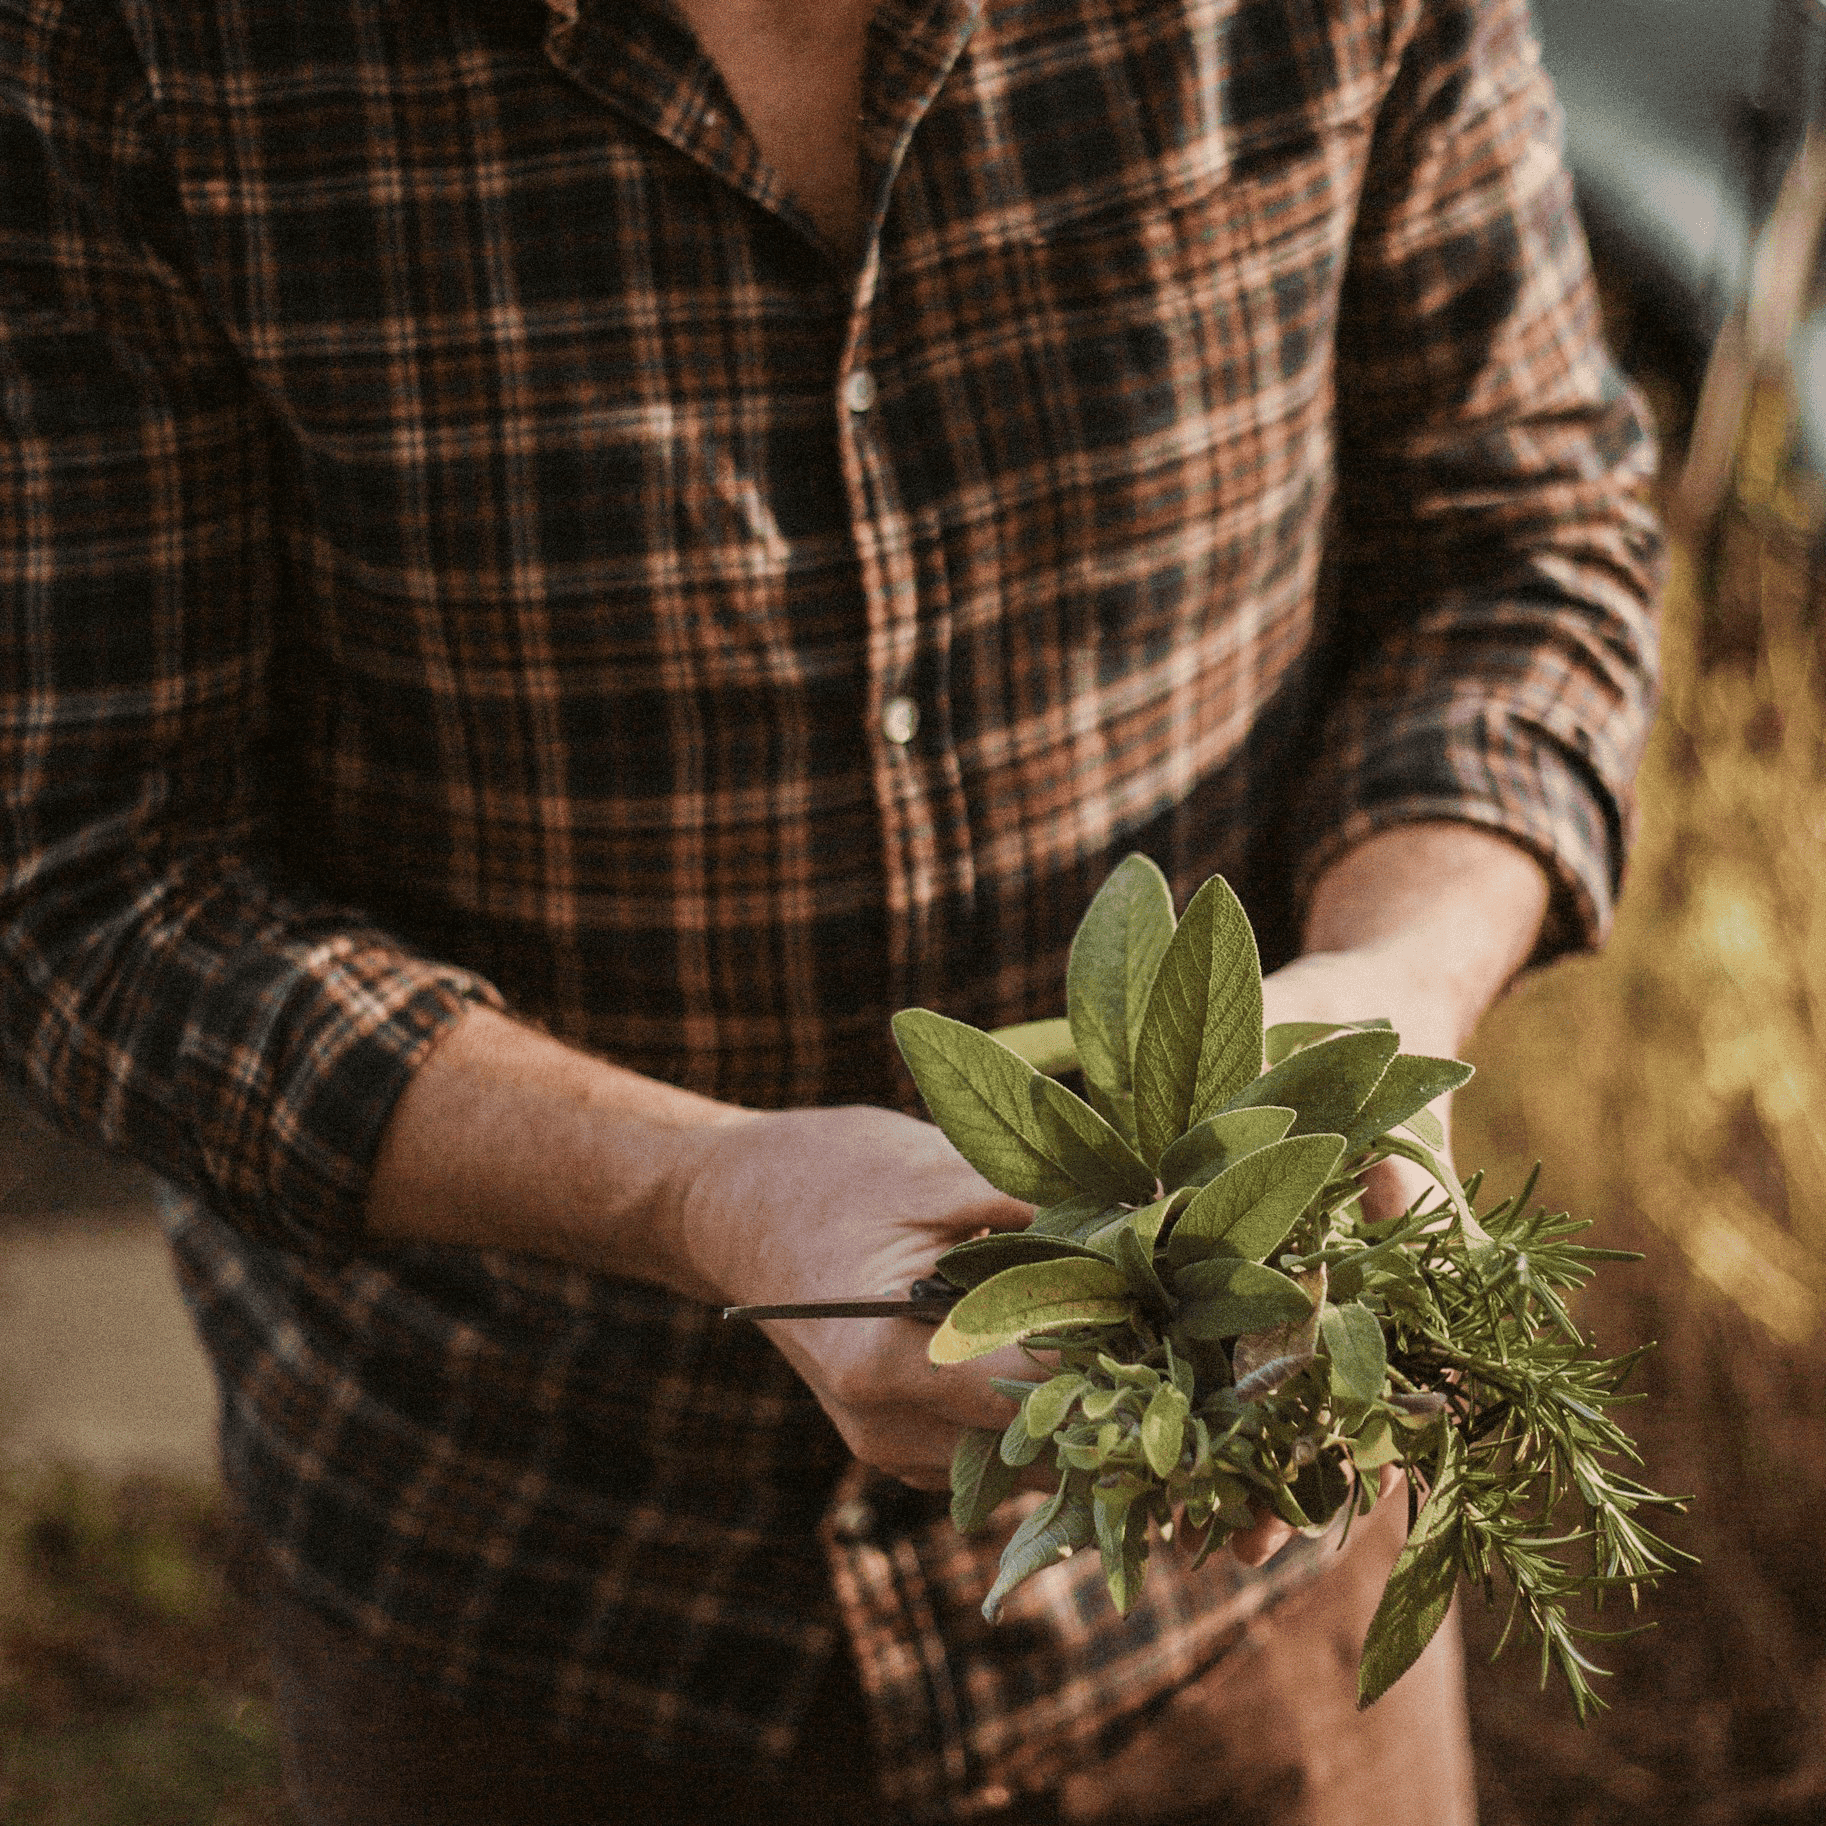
x,y
1075,1218
1419,1590
1285,1038
1248,1209
1087,1147
1137,1264
1409,1084
1062,1524
1224,1297
1327,1083
1115,953
1037,1297
1122,1539
980,1482
1359,1357
1163,1429
1201,1038
1045,1409
969,1264
1203,1152
981,1095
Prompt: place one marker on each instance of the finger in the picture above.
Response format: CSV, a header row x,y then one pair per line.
x,y
1261,1540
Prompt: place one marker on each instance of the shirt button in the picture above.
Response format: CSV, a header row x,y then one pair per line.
x,y
900,720
859,390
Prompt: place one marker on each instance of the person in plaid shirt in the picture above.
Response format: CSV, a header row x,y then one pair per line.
x,y
560,561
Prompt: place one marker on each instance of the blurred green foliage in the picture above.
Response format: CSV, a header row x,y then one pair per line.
x,y
130,1687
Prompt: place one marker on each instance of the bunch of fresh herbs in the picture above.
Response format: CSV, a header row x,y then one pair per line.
x,y
1218,1325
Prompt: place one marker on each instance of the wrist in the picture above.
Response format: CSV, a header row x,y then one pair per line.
x,y
1439,917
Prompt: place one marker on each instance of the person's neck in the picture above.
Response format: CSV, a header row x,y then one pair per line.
x,y
795,68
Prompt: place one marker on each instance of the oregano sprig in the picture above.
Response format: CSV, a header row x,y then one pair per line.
x,y
1218,1327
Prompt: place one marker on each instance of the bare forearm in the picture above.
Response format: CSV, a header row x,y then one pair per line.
x,y
1437,917
509,1139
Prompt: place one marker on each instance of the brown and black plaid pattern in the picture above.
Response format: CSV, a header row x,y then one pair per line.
x,y
448,549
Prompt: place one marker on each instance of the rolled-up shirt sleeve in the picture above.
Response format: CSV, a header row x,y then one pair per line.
x,y
1497,555
160,990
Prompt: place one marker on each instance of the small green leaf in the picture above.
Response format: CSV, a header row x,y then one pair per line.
x,y
1037,1297
1327,1083
1375,1445
1045,1045
1286,1038
1203,1152
1137,1265
1409,1084
1122,1539
1073,1134
1249,1208
1419,1590
1114,955
1063,1523
1163,1429
980,1482
979,1094
969,1264
1359,1357
1075,1218
1046,1408
1150,1220
1019,1447
1322,1489
1201,1038
1224,1297
1428,1127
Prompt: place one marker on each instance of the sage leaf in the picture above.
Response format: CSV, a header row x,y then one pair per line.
x,y
1201,1037
1286,1038
1327,1083
1019,1447
1163,1429
1249,1208
979,1093
1046,1408
1419,1590
1045,1045
1224,1297
1359,1357
1267,1360
1087,1147
1410,1082
1036,1297
980,1482
1375,1445
1075,1218
969,1264
1061,1525
1122,1539
1205,1149
1428,1128
1322,1489
1137,1265
1151,1219
1114,956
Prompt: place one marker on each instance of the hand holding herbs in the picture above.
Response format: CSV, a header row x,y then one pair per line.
x,y
1215,1321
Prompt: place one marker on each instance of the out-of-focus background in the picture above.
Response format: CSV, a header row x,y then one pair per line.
x,y
1675,1086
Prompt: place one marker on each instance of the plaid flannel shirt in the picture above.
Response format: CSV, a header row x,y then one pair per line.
x,y
461,537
